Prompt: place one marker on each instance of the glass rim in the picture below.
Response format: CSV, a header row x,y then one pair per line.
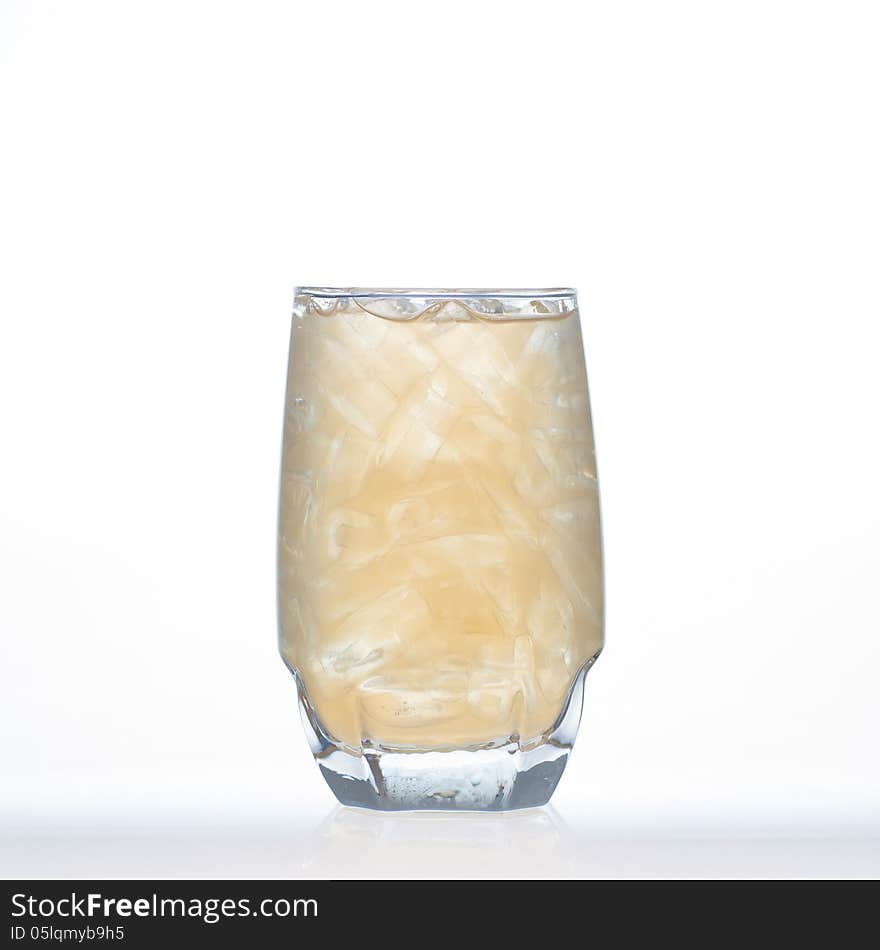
x,y
439,293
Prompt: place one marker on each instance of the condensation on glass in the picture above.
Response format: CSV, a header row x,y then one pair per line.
x,y
440,588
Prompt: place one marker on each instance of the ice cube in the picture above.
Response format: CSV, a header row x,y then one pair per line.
x,y
367,406
576,515
554,677
550,617
467,550
413,697
399,613
504,594
347,530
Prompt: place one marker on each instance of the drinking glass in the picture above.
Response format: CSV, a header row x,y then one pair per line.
x,y
440,591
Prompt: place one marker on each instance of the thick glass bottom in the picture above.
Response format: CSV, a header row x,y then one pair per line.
x,y
505,775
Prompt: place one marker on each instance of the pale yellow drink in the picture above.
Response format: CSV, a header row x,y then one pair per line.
x,y
439,561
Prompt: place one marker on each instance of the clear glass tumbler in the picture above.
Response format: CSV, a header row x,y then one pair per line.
x,y
440,590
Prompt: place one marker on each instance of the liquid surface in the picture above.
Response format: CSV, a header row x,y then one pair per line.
x,y
440,577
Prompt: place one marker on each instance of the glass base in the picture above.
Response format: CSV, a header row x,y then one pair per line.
x,y
498,777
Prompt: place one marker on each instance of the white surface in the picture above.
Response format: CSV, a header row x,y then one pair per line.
x,y
353,844
705,174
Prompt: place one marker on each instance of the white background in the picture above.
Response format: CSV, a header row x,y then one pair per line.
x,y
705,173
